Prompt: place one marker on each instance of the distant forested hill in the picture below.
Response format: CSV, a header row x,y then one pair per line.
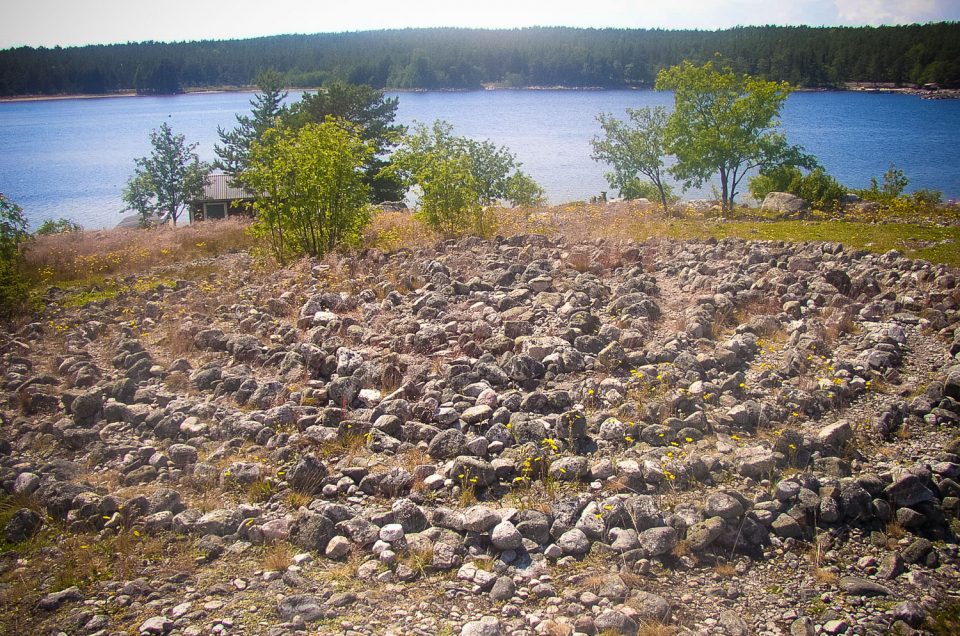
x,y
468,58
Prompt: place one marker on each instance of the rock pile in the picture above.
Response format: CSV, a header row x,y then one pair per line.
x,y
588,437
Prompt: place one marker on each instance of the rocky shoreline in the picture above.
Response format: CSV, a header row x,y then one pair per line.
x,y
525,435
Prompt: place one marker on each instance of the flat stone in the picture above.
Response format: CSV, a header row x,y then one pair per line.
x,y
857,586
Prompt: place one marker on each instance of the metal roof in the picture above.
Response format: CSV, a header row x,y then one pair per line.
x,y
217,188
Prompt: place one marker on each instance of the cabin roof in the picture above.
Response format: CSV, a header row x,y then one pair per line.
x,y
218,188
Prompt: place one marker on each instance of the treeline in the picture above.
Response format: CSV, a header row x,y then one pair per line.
x,y
470,58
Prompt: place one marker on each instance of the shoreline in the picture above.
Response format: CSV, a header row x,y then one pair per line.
x,y
949,93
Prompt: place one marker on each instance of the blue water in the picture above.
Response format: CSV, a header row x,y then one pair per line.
x,y
71,158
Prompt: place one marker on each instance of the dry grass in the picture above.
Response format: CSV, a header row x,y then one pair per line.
x,y
277,557
82,256
725,570
895,530
653,628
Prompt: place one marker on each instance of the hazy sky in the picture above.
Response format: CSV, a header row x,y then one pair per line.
x,y
74,22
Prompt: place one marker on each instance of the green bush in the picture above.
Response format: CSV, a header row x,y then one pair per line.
x,y
60,226
818,188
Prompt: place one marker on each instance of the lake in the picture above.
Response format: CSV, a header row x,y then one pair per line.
x,y
71,158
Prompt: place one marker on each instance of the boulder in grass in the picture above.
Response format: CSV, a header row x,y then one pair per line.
x,y
785,203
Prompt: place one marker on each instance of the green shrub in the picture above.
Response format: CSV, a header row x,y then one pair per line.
x,y
60,226
818,188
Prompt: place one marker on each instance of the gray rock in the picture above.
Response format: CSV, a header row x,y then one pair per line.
x,y
391,533
574,542
503,589
505,536
306,606
611,621
701,535
733,624
26,483
24,524
480,519
650,606
916,551
756,462
908,490
54,600
474,471
835,435
307,475
720,504
785,203
486,626
477,414
657,541
785,526
447,444
802,626
311,531
156,625
862,587
218,522
910,613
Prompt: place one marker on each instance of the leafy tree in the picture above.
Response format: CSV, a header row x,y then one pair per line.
x,y
633,149
725,124
233,152
311,195
459,176
166,180
372,113
13,231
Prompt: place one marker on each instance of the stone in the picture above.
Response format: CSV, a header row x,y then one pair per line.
x,y
611,621
722,505
505,536
480,519
650,606
391,533
701,535
574,542
486,626
54,600
785,203
476,414
908,490
916,551
835,435
306,606
857,586
447,444
24,524
733,624
156,625
910,613
338,548
503,589
307,475
785,526
657,541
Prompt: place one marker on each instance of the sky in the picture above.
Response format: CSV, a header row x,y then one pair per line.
x,y
78,22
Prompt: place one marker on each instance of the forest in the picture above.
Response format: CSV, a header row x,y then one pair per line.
x,y
473,58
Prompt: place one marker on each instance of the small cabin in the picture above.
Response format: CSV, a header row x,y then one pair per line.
x,y
220,200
